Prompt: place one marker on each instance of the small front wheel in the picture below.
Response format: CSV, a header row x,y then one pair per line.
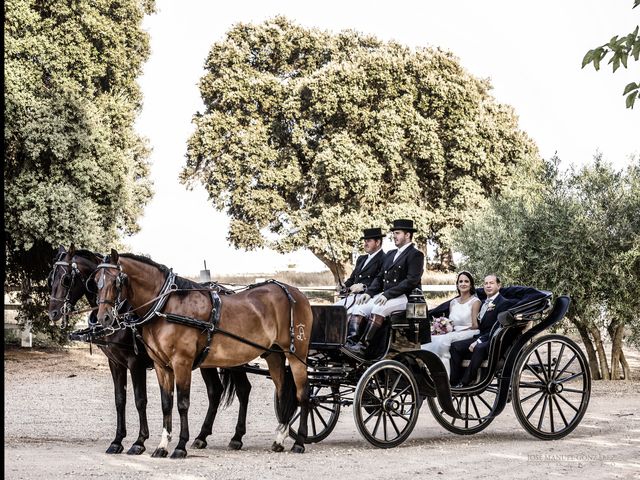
x,y
386,404
551,387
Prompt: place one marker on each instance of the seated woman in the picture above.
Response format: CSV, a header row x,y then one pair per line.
x,y
463,314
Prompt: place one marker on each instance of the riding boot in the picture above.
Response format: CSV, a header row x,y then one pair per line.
x,y
375,322
353,329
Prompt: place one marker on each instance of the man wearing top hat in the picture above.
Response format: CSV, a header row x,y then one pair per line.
x,y
366,269
401,272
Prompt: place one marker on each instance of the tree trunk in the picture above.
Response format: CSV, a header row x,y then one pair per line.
x,y
602,356
626,370
616,332
337,268
591,351
446,259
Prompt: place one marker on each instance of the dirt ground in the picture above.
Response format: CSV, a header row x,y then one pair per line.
x,y
60,417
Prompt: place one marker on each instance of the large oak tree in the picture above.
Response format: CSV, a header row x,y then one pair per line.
x,y
307,137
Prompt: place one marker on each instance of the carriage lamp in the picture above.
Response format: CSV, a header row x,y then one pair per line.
x,y
416,307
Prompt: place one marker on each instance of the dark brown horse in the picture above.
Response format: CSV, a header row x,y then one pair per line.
x,y
68,281
270,320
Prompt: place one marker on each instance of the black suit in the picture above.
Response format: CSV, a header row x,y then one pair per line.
x,y
460,350
365,274
399,277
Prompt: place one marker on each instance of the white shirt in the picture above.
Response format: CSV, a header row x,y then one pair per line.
x,y
370,256
400,250
483,309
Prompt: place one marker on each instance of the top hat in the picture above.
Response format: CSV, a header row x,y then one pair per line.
x,y
372,233
403,224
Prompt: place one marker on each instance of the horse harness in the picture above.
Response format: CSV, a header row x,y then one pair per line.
x,y
211,327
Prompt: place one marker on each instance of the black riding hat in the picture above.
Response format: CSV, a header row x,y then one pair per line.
x,y
372,233
403,224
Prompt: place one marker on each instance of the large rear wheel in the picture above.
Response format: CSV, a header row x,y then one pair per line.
x,y
551,387
386,404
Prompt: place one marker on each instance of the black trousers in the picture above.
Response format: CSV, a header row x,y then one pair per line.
x,y
459,352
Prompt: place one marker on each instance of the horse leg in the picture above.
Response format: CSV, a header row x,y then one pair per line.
x,y
119,377
243,389
139,380
214,392
299,372
165,380
183,387
284,411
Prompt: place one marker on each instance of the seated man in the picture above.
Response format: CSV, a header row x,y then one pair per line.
x,y
366,269
401,272
477,347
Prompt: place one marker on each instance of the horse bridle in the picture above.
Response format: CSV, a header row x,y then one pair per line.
x,y
67,280
120,281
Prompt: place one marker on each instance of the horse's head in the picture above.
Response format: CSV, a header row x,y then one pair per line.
x,y
67,282
111,282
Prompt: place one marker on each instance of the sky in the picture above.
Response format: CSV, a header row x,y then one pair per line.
x,y
530,51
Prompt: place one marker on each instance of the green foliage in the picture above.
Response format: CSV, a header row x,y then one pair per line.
x,y
621,49
307,137
75,169
579,237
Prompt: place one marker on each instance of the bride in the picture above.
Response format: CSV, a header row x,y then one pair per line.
x,y
463,313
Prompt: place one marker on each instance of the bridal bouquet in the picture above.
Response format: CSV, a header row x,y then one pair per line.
x,y
441,325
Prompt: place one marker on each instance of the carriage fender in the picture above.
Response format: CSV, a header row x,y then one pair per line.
x,y
431,376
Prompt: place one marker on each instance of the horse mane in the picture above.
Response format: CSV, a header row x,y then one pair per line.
x,y
89,255
163,268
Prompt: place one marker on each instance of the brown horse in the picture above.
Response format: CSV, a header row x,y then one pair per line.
x,y
68,282
271,320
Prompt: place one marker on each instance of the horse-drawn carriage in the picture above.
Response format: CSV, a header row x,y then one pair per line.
x,y
545,377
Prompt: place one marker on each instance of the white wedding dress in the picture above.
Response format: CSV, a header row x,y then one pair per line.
x,y
460,316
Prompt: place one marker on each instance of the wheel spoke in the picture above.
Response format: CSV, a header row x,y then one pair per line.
x,y
551,414
570,377
572,390
544,409
320,418
530,368
544,372
531,385
313,423
561,397
566,424
534,407
567,365
393,424
384,425
549,360
395,384
375,428
558,360
408,387
530,396
475,408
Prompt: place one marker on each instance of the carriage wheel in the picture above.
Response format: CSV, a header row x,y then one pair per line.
x,y
551,387
324,410
477,407
386,404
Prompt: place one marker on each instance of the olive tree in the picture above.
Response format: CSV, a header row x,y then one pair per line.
x,y
579,236
308,136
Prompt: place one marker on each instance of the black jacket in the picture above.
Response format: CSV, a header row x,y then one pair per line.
x,y
399,277
367,274
491,316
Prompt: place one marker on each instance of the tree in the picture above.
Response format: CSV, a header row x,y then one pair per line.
x,y
580,237
307,137
620,48
75,170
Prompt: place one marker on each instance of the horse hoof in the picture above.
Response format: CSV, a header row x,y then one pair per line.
x,y
160,453
235,445
297,448
199,444
177,453
115,448
136,449
277,447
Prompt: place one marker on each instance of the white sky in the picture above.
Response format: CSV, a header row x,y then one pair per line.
x,y
531,51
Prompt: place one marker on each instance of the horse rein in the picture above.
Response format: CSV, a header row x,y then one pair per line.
x,y
67,306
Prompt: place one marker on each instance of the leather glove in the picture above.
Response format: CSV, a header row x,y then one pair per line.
x,y
381,300
357,288
364,298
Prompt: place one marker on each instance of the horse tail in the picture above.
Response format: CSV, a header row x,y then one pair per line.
x,y
287,402
228,388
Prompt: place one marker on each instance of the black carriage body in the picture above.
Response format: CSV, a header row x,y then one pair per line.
x,y
339,380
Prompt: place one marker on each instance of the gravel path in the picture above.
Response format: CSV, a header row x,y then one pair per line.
x,y
60,418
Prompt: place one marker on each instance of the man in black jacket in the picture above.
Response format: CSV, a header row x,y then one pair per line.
x,y
366,269
401,272
477,348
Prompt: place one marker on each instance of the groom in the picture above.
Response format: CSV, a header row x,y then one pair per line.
x,y
477,348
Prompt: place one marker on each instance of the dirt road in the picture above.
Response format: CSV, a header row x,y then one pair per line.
x,y
60,418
